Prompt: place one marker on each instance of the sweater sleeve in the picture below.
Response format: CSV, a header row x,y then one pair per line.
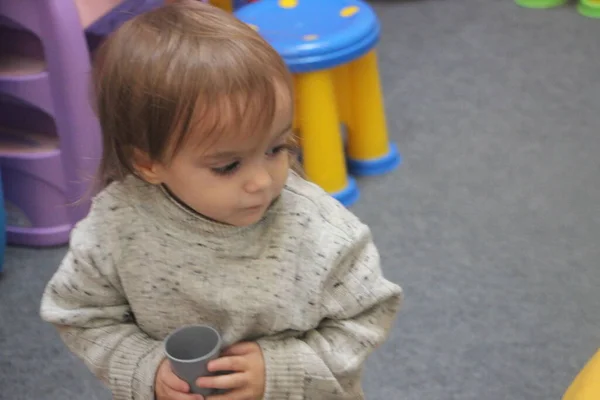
x,y
358,309
84,301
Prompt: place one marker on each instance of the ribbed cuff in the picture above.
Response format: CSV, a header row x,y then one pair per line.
x,y
284,377
133,368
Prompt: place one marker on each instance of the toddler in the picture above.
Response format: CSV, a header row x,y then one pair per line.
x,y
202,219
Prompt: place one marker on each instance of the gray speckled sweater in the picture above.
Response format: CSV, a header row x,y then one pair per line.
x,y
305,283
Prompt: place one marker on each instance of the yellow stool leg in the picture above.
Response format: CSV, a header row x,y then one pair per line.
x,y
323,155
369,150
226,5
343,92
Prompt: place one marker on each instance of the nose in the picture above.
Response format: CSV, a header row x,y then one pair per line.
x,y
259,180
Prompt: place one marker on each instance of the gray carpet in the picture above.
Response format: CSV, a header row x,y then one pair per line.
x,y
492,224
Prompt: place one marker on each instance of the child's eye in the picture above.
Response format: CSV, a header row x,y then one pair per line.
x,y
227,169
277,149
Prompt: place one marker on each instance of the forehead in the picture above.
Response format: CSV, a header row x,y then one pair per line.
x,y
240,122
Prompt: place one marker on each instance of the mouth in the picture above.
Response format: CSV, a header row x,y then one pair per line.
x,y
254,208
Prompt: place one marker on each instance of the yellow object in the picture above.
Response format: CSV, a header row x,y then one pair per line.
x,y
323,153
288,3
349,11
343,92
226,5
367,130
349,94
586,385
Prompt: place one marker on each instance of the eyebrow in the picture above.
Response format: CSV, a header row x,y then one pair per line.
x,y
224,155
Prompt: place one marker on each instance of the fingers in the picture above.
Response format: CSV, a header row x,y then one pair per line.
x,y
240,349
232,395
230,381
234,364
170,387
171,394
173,382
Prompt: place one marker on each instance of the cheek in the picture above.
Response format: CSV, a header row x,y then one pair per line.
x,y
208,196
282,170
215,189
196,183
181,171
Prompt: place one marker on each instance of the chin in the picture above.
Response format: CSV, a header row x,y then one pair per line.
x,y
249,220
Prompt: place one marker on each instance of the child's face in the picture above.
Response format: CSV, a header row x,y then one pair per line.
x,y
236,180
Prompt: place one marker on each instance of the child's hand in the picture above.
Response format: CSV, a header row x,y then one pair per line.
x,y
247,378
168,386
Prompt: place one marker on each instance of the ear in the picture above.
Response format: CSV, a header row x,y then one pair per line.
x,y
148,169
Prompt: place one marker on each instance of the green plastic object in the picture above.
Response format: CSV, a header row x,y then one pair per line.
x,y
540,3
589,8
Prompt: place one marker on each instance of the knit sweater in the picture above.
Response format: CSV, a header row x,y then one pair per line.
x,y
304,283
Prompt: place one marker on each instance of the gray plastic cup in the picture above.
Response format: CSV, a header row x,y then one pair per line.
x,y
189,350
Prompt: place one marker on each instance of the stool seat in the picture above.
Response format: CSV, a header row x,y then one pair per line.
x,y
315,34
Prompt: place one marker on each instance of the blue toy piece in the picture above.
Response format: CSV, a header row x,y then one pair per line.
x,y
313,35
2,225
237,4
377,166
109,22
349,195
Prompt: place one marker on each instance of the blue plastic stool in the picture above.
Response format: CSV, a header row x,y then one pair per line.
x,y
329,47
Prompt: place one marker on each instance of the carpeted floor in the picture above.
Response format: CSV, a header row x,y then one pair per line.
x,y
492,224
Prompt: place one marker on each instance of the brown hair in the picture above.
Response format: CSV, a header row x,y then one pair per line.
x,y
184,66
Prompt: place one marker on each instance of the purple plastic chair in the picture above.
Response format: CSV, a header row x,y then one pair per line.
x,y
50,142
